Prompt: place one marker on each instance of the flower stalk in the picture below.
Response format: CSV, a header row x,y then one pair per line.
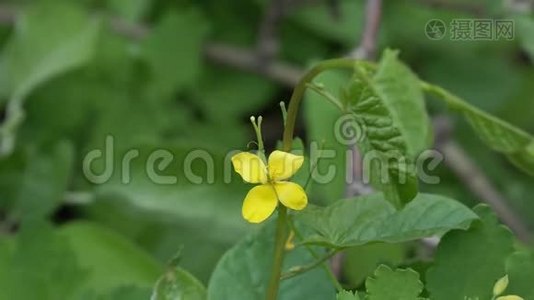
x,y
294,104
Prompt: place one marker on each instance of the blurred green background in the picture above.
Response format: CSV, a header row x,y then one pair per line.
x,y
155,74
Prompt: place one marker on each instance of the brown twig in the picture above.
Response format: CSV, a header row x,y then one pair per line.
x,y
246,60
459,162
267,43
367,47
7,14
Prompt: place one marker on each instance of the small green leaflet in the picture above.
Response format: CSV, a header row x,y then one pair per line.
x,y
49,39
499,135
367,219
388,284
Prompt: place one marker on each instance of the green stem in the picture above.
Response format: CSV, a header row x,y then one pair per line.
x,y
324,264
294,103
331,98
281,237
305,268
298,93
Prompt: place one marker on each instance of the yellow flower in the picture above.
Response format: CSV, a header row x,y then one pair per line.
x,y
262,200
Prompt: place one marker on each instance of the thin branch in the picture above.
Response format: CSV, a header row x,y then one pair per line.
x,y
302,269
246,60
476,181
7,14
128,29
267,43
459,162
367,47
366,50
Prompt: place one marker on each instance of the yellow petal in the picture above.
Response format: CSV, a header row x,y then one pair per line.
x,y
283,165
291,195
259,203
250,167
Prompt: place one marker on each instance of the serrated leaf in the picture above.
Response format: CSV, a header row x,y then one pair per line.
x,y
243,272
367,219
467,263
391,109
520,270
178,284
399,89
346,295
499,135
388,284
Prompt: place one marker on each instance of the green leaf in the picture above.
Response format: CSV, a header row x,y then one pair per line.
x,y
321,118
132,10
243,272
178,284
44,181
499,135
49,39
42,266
520,270
173,52
229,95
368,219
400,92
152,213
525,27
399,284
468,263
112,260
346,295
361,261
391,110
320,20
